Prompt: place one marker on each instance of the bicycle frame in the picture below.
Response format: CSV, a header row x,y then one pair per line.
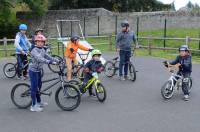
x,y
92,81
175,80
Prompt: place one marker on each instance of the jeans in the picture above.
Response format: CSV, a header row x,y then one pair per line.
x,y
21,62
123,65
36,84
185,84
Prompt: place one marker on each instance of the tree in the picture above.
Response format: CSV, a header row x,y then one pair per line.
x,y
190,5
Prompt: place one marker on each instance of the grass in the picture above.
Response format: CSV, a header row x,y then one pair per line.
x,y
102,43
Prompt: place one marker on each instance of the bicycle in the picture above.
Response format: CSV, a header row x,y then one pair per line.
x,y
112,66
76,69
174,82
10,69
21,93
100,90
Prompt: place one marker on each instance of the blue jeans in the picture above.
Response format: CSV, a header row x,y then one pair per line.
x,y
36,84
123,65
21,62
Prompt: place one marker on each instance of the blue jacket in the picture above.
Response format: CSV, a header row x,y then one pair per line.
x,y
186,63
21,43
93,66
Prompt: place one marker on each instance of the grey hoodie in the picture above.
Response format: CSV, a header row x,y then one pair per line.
x,y
38,58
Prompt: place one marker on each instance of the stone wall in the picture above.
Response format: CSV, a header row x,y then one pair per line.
x,y
107,21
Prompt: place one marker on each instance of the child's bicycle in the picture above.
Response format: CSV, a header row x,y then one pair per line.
x,y
10,69
111,68
175,82
100,90
67,96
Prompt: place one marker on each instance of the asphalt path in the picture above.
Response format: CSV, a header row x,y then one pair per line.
x,y
130,107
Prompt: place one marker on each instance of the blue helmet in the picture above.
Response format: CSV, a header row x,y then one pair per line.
x,y
23,27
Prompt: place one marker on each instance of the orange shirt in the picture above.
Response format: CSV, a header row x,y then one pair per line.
x,y
70,45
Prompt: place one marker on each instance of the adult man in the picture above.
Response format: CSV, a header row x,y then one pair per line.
x,y
124,43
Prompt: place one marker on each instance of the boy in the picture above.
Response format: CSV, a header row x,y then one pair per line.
x,y
94,65
38,58
22,48
184,62
70,54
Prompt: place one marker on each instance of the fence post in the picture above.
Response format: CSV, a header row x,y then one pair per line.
x,y
165,33
98,25
5,45
149,44
110,42
187,40
138,27
116,25
84,26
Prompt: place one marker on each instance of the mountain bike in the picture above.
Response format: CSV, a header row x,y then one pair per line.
x,y
112,66
174,82
100,90
67,96
10,69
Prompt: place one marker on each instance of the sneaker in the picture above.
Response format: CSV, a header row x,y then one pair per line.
x,y
126,77
186,97
35,108
42,104
92,95
122,78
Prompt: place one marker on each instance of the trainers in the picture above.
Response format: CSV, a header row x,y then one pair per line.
x,y
126,77
186,97
42,104
122,78
92,95
35,108
19,78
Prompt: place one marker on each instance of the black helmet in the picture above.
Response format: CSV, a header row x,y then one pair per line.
x,y
125,23
74,38
184,48
38,29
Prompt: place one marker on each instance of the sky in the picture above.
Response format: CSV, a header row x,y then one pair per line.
x,y
180,3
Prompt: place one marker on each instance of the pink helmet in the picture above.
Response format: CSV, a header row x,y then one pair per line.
x,y
40,38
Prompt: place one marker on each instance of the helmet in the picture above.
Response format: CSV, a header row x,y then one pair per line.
x,y
184,48
40,38
125,23
75,38
23,27
39,29
96,52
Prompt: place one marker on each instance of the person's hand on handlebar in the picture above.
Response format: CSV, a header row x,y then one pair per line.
x,y
91,50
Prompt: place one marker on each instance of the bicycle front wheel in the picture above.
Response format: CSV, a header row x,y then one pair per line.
x,y
55,68
132,72
21,95
109,69
167,90
100,92
68,97
9,70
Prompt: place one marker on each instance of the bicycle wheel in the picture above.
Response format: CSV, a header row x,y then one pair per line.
x,y
100,92
9,70
21,95
109,70
190,85
42,72
132,72
55,68
67,98
167,90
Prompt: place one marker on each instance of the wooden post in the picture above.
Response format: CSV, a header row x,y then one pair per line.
x,y
110,42
5,45
149,44
187,40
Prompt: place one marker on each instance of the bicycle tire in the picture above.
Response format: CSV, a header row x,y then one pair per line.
x,y
165,91
75,94
109,66
132,72
100,89
25,93
55,68
12,70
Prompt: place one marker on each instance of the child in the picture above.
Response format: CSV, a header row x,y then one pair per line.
x,y
70,54
38,31
38,58
184,63
94,65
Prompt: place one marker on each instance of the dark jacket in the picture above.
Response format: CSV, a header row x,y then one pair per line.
x,y
94,66
186,63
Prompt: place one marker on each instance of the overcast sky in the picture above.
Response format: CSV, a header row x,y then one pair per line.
x,y
180,3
